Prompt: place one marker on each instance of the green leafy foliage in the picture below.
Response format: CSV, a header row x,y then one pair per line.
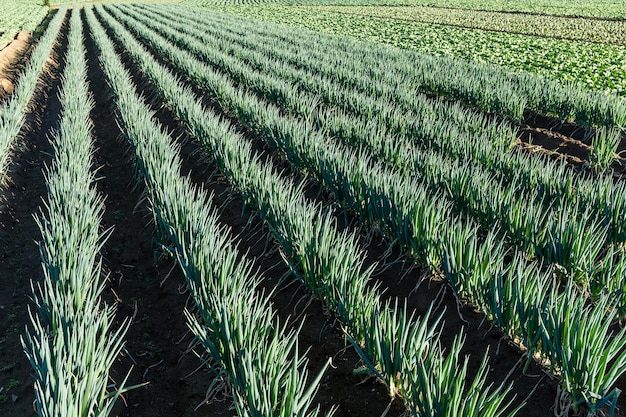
x,y
19,15
592,65
607,9
571,28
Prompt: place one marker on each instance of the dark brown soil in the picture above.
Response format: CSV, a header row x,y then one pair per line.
x,y
20,265
558,146
568,141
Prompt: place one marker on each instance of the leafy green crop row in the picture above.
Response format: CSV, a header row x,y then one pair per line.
x,y
592,65
606,9
581,29
364,138
75,339
58,2
420,162
488,87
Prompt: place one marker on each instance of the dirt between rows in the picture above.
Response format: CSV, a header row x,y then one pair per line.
x,y
564,141
556,145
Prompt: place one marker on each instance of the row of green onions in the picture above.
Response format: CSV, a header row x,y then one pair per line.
x,y
73,340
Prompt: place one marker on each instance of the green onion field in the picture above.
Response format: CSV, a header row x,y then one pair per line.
x,y
314,208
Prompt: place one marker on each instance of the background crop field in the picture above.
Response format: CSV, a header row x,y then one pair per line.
x,y
611,9
18,15
596,59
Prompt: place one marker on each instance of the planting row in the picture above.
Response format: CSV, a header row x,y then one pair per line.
x,y
73,341
341,68
487,87
376,180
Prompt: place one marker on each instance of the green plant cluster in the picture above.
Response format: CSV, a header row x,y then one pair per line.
x,y
536,246
595,66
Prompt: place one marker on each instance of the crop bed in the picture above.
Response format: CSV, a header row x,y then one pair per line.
x,y
237,217
570,28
